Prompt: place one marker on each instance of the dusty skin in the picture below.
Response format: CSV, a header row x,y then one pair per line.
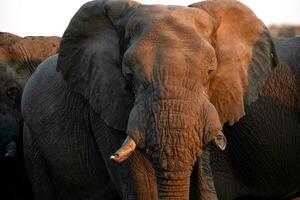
x,y
170,81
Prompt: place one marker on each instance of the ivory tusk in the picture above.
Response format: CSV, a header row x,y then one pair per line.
x,y
124,151
220,140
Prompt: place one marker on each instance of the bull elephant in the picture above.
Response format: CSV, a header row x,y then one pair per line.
x,y
139,95
19,57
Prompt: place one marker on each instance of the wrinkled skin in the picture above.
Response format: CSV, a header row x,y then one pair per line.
x,y
166,78
262,159
19,57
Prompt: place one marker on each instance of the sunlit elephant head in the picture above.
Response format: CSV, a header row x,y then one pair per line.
x,y
168,76
19,58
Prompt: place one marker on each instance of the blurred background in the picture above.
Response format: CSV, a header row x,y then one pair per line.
x,y
51,17
284,30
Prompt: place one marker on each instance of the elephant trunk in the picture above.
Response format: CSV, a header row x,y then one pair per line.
x,y
173,188
173,149
173,132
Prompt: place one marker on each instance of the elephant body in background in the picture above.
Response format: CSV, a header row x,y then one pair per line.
x,y
163,79
263,154
19,58
288,50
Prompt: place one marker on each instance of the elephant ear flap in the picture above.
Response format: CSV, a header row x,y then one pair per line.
x,y
89,60
245,54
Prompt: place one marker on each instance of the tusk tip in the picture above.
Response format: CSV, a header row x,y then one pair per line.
x,y
220,141
223,147
115,158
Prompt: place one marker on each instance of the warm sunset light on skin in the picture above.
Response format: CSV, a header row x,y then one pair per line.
x,y
149,99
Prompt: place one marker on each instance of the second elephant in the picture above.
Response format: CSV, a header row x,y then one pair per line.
x,y
19,58
263,155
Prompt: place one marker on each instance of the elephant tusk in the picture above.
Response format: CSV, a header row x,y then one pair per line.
x,y
220,140
8,155
11,150
125,151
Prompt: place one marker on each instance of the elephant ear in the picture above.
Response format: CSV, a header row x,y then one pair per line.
x,y
245,54
90,60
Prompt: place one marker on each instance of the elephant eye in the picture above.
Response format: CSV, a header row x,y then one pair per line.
x,y
210,71
12,92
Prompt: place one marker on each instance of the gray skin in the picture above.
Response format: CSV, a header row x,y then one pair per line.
x,y
166,77
262,160
19,57
288,50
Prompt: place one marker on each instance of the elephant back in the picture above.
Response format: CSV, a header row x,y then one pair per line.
x,y
288,50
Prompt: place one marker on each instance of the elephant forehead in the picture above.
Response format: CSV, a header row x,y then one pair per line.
x,y
167,40
159,19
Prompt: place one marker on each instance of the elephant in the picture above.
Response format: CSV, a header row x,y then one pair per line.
x,y
19,58
263,155
137,98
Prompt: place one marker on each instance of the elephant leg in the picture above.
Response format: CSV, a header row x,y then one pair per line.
x,y
202,184
37,171
135,178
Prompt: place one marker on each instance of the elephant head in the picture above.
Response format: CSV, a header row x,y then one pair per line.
x,y
18,59
168,76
